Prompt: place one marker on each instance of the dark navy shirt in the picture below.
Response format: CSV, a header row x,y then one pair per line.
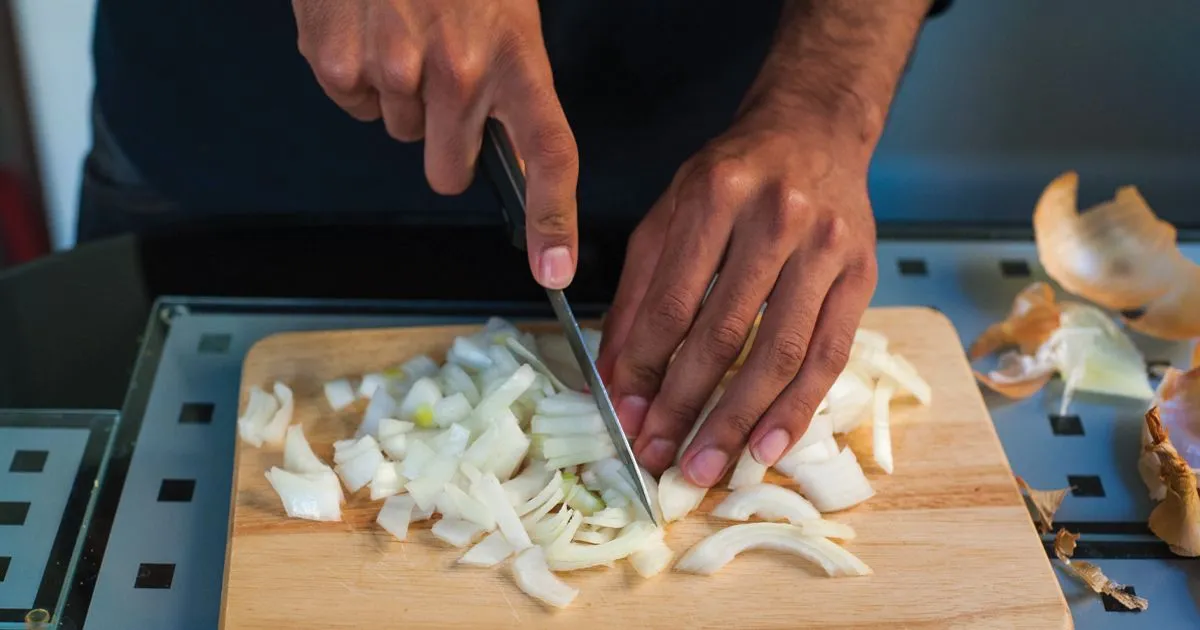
x,y
214,105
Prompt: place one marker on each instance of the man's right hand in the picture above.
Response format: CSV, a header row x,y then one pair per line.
x,y
437,69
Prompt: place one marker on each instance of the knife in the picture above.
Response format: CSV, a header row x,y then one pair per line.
x,y
502,168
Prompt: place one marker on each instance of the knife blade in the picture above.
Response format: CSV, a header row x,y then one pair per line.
x,y
502,168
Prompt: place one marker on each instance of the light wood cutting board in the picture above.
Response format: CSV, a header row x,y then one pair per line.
x,y
948,536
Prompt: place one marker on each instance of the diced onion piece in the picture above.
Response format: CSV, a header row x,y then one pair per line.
x,y
420,366
344,451
677,496
470,508
315,497
568,403
584,501
834,485
418,403
387,481
366,388
445,506
557,354
554,485
492,550
395,445
573,557
392,426
498,401
712,553
534,361
822,451
768,502
879,363
395,516
417,457
747,472
451,409
260,409
595,536
511,449
492,494
881,425
358,471
468,354
469,471
848,401
340,394
526,485
542,510
275,430
298,456
503,359
820,431
652,558
545,530
589,423
457,532
594,453
432,481
570,444
564,535
533,576
382,406
455,380
452,441
615,498
610,517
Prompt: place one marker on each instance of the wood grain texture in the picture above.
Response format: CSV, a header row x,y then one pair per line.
x,y
948,535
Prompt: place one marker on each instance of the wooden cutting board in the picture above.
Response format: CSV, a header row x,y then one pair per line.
x,y
948,536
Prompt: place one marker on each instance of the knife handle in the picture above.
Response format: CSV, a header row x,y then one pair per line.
x,y
503,170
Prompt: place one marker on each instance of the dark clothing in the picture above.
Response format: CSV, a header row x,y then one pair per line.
x,y
213,106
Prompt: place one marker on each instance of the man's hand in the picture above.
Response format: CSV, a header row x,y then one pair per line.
x,y
778,206
437,70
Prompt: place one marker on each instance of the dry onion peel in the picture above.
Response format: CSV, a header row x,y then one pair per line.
x,y
1176,519
1090,574
712,553
1033,317
1044,503
1120,255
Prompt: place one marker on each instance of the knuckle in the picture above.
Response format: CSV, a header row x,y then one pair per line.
x,y
739,422
462,74
555,149
832,233
672,314
833,354
340,72
723,342
863,268
401,72
787,352
801,408
724,181
643,377
553,223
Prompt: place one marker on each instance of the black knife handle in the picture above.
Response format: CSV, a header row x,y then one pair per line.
x,y
502,169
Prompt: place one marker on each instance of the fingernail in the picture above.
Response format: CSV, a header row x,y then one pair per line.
x,y
658,454
557,268
631,411
770,448
706,468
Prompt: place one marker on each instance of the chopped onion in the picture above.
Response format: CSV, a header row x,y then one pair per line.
x,y
492,550
417,457
451,409
652,558
468,354
492,494
568,403
747,472
882,431
526,485
417,405
340,394
595,536
275,430
503,359
452,441
594,453
588,424
455,380
554,485
470,508
542,510
610,517
315,497
432,480
395,445
498,401
848,401
532,359
511,448
565,534
366,388
834,485
392,426
570,444
822,451
382,406
712,553
546,530
583,500
298,456
820,430
260,409
677,495
420,366
344,452
387,481
396,515
457,532
469,471
573,557
767,501
358,471
533,576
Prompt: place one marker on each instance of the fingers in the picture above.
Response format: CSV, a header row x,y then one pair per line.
x,y
681,277
455,115
781,347
711,347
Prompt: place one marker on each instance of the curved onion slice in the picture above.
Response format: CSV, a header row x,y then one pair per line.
x,y
768,502
298,456
677,496
652,558
822,451
609,517
747,472
834,485
1120,256
533,576
260,409
547,529
457,532
492,550
340,394
712,553
554,485
573,557
595,536
526,485
395,516
315,497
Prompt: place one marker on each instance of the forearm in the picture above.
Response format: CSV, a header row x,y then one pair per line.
x,y
836,64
